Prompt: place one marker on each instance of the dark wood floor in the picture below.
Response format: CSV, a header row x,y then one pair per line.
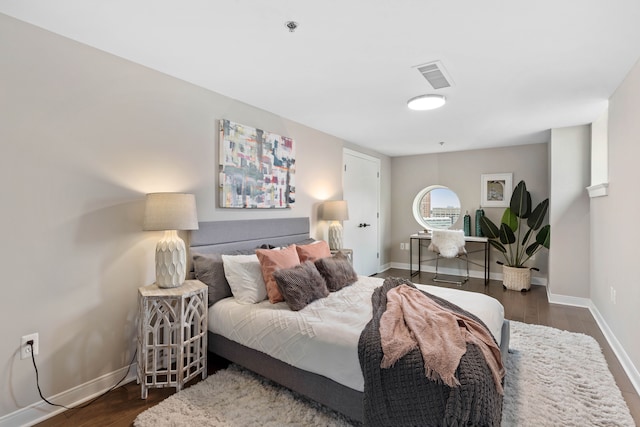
x,y
121,406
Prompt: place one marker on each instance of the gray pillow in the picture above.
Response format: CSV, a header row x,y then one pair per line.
x,y
336,271
210,271
300,285
305,242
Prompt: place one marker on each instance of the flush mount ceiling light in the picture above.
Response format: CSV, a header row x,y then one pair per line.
x,y
426,102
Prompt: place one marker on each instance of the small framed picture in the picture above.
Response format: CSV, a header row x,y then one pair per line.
x,y
496,190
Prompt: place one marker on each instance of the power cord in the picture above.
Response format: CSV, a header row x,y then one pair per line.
x,y
84,405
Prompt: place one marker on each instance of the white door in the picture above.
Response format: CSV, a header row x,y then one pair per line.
x,y
361,188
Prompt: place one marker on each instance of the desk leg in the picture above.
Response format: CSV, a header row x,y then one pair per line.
x,y
419,256
487,267
410,257
411,272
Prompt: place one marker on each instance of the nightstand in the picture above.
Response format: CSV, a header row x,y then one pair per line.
x,y
172,335
347,252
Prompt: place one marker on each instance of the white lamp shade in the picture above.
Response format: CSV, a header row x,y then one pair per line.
x,y
335,210
170,212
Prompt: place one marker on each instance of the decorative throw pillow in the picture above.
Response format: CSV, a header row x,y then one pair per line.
x,y
244,275
305,242
210,271
314,251
337,271
272,260
300,285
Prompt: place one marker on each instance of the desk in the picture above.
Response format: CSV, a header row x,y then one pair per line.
x,y
420,238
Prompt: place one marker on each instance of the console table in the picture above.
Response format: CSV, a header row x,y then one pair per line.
x,y
424,238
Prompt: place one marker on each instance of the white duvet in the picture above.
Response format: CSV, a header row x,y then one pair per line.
x,y
323,337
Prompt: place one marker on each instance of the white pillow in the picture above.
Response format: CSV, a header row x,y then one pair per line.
x,y
244,275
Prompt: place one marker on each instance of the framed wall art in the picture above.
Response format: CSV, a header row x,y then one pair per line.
x,y
496,189
257,168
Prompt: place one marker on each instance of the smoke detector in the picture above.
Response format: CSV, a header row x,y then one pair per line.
x,y
291,25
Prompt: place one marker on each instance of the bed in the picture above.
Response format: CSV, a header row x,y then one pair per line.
x,y
338,387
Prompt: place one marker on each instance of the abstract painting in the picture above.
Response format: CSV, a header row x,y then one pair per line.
x,y
257,168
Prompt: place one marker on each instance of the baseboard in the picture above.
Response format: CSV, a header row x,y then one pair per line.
x,y
384,267
476,274
623,357
41,411
568,300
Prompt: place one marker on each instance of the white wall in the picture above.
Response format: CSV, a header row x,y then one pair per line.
x,y
614,229
600,149
84,136
569,211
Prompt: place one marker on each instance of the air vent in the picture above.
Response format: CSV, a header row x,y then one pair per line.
x,y
435,74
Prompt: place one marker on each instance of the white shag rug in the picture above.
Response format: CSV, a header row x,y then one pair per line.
x,y
554,378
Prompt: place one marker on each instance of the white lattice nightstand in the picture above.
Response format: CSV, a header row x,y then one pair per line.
x,y
172,338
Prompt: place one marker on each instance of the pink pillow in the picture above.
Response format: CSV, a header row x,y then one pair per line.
x,y
272,260
313,251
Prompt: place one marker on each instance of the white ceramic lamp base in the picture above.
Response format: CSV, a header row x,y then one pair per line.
x,y
335,236
171,260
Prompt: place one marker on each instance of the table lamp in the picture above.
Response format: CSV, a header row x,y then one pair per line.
x,y
170,212
335,211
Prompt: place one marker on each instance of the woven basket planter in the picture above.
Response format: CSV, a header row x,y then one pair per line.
x,y
516,279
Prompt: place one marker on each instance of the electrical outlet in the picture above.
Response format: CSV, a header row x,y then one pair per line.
x,y
613,296
402,246
25,349
407,246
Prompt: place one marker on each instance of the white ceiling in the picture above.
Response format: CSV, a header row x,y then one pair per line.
x,y
519,68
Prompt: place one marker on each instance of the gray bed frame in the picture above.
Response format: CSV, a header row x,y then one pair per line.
x,y
226,236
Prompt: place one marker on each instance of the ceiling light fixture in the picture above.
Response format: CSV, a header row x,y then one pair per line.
x,y
426,102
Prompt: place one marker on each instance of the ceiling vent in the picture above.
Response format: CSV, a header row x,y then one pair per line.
x,y
436,74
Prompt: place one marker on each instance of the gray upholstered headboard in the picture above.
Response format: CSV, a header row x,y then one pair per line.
x,y
223,236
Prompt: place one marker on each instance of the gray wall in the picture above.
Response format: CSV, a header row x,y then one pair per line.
x,y
461,172
569,211
84,136
614,229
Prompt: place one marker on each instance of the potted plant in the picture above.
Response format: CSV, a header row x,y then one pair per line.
x,y
513,240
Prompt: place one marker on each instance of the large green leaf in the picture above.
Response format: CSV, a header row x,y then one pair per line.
x,y
544,236
489,229
537,216
510,219
526,237
521,200
532,248
498,246
506,235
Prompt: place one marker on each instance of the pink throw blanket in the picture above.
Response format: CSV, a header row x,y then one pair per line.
x,y
413,319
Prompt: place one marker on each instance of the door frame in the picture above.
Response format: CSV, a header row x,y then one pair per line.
x,y
351,152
